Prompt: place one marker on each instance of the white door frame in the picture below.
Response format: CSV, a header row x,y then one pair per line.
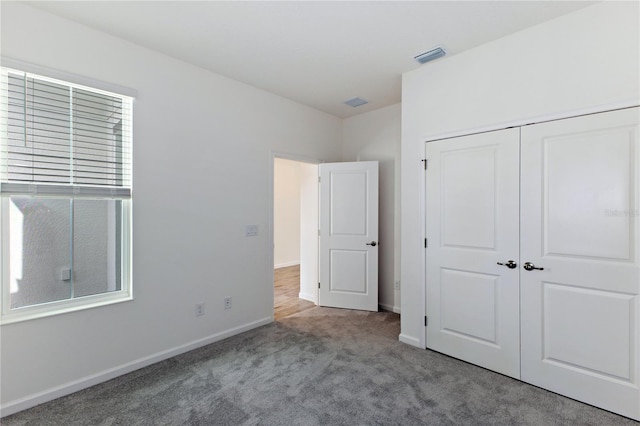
x,y
270,214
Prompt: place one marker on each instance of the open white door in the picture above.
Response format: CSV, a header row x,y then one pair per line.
x,y
349,235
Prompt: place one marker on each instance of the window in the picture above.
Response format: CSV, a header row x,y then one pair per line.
x,y
65,187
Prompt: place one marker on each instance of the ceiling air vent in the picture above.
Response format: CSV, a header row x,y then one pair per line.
x,y
356,102
425,57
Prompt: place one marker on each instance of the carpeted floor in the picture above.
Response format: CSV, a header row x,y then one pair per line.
x,y
319,367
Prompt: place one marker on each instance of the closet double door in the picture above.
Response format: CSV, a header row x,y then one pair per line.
x,y
533,257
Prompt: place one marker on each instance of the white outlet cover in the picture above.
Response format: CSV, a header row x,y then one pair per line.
x,y
65,274
251,230
199,309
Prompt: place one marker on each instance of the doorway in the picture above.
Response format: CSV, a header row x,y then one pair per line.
x,y
295,235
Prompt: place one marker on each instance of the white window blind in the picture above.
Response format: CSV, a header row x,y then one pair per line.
x,y
63,139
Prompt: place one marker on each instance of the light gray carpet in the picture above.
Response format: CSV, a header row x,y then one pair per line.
x,y
320,367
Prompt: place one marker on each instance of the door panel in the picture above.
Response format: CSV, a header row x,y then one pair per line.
x,y
469,178
472,224
348,226
572,161
348,200
588,306
348,271
468,301
579,199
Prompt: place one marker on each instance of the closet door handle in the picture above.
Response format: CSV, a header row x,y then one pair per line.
x,y
372,244
528,266
511,264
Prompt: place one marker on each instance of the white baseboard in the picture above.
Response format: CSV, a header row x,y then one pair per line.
x,y
68,388
307,296
410,341
389,308
286,264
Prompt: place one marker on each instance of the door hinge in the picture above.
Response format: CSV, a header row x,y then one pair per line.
x,y
318,179
425,161
425,243
318,285
318,232
425,321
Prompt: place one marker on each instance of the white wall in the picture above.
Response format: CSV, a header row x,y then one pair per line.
x,y
309,231
376,136
201,158
286,213
587,59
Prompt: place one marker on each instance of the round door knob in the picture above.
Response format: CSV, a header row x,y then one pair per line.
x,y
372,244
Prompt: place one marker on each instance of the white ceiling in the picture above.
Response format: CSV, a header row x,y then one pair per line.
x,y
316,53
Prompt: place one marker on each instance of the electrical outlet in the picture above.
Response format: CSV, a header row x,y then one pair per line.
x,y
65,274
397,285
227,303
199,309
251,231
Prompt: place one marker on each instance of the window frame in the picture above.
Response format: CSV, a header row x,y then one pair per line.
x,y
81,192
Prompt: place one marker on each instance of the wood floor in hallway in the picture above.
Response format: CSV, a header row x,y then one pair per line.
x,y
286,290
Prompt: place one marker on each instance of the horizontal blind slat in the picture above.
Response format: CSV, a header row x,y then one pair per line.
x,y
22,188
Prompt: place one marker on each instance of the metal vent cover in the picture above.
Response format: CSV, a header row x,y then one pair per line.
x,y
356,102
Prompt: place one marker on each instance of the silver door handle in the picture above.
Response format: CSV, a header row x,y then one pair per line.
x,y
372,244
528,266
511,264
